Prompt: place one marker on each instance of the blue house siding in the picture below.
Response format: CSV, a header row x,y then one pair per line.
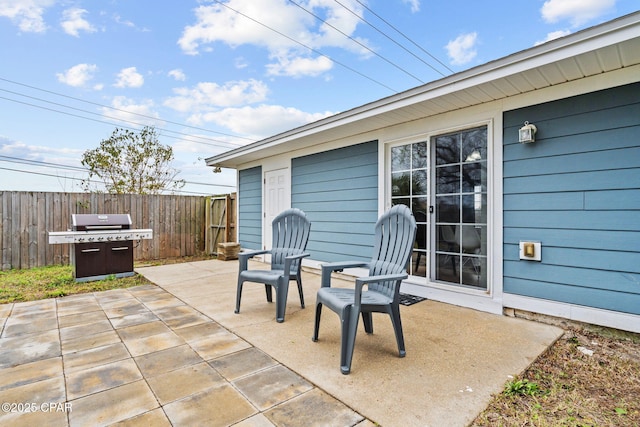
x,y
250,208
338,190
577,190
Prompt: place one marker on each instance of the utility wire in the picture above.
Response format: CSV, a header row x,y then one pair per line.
x,y
101,182
40,163
394,41
120,119
108,123
78,169
306,47
357,41
404,35
125,111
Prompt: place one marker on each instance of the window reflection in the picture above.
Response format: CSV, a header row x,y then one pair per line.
x,y
400,184
452,248
461,208
400,158
447,149
420,157
419,182
410,186
448,179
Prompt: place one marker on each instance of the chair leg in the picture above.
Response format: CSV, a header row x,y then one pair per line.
x,y
267,289
349,319
397,328
282,289
316,327
367,318
238,296
299,281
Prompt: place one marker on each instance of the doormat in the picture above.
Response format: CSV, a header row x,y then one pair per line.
x,y
410,299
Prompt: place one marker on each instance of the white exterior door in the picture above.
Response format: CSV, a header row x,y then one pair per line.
x,y
276,199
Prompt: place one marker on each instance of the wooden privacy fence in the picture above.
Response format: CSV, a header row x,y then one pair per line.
x,y
178,224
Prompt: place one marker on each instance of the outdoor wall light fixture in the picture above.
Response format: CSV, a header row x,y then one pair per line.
x,y
527,133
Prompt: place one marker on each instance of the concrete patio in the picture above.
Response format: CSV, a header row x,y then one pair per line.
x,y
176,354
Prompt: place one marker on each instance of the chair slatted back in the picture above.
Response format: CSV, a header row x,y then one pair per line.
x,y
290,233
395,233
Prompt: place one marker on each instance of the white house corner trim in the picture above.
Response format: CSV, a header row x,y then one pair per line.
x,y
579,313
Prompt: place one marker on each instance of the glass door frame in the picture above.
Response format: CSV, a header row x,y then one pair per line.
x,y
429,278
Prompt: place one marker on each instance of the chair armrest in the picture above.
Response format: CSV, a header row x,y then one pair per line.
x,y
251,254
361,281
288,260
244,257
330,267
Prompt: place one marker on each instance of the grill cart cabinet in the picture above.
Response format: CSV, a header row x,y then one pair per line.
x,y
103,245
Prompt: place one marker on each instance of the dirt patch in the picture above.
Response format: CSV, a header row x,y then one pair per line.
x,y
587,378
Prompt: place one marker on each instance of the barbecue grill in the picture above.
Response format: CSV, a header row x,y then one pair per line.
x,y
103,245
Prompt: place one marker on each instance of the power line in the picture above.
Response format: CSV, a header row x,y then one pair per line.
x,y
394,41
124,111
307,47
100,182
80,169
404,35
40,163
358,42
116,119
105,122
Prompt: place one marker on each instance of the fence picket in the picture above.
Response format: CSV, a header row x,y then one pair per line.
x,y
178,224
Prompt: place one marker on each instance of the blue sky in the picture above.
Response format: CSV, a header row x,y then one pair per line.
x,y
215,75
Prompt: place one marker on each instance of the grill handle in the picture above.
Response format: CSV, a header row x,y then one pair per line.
x,y
103,227
120,248
90,250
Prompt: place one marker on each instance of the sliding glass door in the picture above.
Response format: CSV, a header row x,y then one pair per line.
x,y
444,182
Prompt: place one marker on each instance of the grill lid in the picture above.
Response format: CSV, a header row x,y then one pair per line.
x,y
100,221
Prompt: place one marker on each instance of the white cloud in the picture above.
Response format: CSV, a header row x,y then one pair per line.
x,y
178,74
208,96
577,12
299,66
73,22
463,49
554,35
54,154
263,120
240,63
127,110
237,24
415,5
129,77
128,23
78,75
27,14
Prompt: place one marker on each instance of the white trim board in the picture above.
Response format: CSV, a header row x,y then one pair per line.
x,y
594,316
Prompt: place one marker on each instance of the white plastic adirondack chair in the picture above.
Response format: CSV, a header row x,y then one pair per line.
x,y
395,233
290,235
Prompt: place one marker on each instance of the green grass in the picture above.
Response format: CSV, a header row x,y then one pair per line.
x,y
53,282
